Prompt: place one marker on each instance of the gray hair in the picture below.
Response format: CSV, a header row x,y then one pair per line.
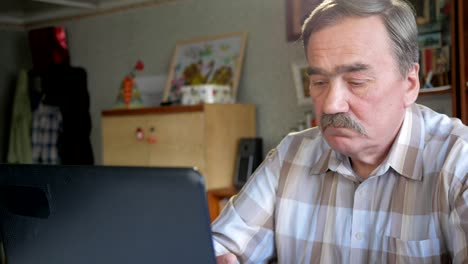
x,y
398,17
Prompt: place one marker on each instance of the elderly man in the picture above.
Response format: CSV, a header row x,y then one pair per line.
x,y
382,180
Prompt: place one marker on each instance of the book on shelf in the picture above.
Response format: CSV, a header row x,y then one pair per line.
x,y
435,66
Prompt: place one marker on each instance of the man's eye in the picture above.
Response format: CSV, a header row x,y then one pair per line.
x,y
318,83
357,84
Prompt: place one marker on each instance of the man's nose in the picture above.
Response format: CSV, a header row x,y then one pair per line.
x,y
336,99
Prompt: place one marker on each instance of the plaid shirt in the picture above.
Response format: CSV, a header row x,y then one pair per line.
x,y
305,204
46,129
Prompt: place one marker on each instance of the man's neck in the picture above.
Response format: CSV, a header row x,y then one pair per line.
x,y
364,170
368,160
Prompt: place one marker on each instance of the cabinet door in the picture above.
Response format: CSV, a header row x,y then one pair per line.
x,y
179,140
120,145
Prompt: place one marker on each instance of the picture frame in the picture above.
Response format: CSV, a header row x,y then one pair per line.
x,y
301,82
422,8
206,60
297,12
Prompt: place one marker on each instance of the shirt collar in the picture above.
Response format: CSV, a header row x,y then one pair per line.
x,y
322,165
405,155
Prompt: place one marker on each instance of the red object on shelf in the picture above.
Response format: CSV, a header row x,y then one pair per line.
x,y
152,136
139,65
48,47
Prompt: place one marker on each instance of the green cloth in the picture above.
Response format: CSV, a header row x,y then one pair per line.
x,y
19,145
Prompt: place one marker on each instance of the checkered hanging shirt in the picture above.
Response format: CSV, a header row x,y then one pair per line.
x,y
306,205
46,129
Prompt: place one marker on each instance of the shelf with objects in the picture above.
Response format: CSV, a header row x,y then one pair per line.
x,y
435,45
442,34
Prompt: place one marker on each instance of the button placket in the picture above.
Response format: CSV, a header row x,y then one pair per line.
x,y
358,228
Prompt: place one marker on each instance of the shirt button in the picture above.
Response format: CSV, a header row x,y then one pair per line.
x,y
358,236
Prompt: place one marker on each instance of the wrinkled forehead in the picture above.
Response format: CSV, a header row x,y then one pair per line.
x,y
352,33
353,41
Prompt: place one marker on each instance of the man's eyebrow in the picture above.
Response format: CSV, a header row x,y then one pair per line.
x,y
355,67
315,71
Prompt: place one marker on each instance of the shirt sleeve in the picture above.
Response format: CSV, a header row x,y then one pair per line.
x,y
245,227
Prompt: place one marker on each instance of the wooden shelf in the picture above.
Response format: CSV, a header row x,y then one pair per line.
x,y
215,196
153,110
436,90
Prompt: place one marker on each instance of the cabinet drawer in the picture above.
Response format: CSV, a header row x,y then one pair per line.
x,y
119,137
180,140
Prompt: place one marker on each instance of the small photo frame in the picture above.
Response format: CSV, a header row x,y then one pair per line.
x,y
297,12
422,9
301,82
210,60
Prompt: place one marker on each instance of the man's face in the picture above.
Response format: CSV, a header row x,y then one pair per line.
x,y
353,72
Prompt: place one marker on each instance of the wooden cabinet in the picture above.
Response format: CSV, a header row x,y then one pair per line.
x,y
202,136
460,95
215,198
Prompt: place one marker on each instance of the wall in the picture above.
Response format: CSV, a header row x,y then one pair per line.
x,y
441,103
108,46
14,54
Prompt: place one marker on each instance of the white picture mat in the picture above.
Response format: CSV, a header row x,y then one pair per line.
x,y
151,88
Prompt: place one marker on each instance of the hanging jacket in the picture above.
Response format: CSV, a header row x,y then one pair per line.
x,y
66,88
19,144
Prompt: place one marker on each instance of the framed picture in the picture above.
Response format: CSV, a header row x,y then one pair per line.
x,y
210,60
301,82
297,12
422,11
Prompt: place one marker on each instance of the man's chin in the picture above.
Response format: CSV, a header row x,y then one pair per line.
x,y
341,144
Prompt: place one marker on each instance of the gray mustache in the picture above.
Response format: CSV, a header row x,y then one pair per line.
x,y
341,120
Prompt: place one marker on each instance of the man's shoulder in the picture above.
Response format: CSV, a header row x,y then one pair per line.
x,y
312,133
446,142
308,136
442,127
305,144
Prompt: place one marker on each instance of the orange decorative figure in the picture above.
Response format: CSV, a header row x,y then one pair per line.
x,y
152,136
129,96
127,90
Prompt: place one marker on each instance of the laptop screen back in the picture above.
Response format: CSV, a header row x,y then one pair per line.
x,y
96,214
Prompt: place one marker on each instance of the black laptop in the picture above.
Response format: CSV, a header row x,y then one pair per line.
x,y
99,214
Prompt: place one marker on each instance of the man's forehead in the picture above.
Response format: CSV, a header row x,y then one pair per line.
x,y
342,48
350,33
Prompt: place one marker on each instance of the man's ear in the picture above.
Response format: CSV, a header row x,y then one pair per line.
x,y
411,85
